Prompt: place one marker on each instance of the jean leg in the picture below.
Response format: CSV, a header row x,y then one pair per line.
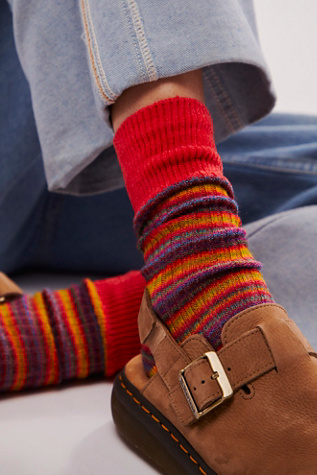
x,y
44,230
285,243
22,183
79,56
89,234
272,166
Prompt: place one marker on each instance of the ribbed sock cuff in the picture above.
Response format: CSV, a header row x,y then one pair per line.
x,y
163,144
120,299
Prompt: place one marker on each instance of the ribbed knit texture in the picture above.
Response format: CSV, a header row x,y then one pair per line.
x,y
164,144
55,336
148,361
198,267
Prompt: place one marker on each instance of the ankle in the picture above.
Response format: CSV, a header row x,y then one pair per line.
x,y
189,85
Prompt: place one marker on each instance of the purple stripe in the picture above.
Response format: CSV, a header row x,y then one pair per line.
x,y
91,328
211,325
189,247
169,302
144,215
8,364
64,346
208,204
33,341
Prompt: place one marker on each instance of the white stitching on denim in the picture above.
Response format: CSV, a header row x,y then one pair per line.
x,y
224,101
99,63
99,73
140,34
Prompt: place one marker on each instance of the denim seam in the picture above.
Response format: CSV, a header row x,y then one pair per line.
x,y
232,118
226,100
141,43
104,89
305,165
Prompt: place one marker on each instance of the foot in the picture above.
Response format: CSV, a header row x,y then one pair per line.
x,y
248,408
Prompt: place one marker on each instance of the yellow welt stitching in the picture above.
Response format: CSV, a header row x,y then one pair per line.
x,y
183,449
163,426
174,438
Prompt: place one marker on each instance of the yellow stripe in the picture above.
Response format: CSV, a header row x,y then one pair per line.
x,y
196,189
198,262
101,317
75,328
233,281
186,222
18,348
41,312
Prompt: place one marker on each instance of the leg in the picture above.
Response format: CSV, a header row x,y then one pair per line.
x,y
204,284
191,232
131,100
72,92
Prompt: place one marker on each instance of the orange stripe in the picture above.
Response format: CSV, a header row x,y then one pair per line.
x,y
184,266
101,317
158,236
18,346
212,296
202,189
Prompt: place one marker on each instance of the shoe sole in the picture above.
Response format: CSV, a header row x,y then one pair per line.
x,y
151,434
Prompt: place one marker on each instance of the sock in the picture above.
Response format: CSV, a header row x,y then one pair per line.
x,y
55,336
198,268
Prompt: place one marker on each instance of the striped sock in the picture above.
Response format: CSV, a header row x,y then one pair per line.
x,y
55,336
198,267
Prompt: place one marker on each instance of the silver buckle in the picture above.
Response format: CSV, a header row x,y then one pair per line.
x,y
218,375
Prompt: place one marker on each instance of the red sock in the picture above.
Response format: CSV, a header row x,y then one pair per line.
x,y
198,268
55,336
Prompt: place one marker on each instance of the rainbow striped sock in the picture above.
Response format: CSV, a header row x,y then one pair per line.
x,y
198,267
55,336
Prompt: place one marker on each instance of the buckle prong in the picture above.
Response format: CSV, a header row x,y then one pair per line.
x,y
219,375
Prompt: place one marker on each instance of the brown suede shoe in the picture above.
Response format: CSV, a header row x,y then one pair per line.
x,y
250,408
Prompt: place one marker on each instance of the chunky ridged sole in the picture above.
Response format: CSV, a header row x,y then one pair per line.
x,y
151,434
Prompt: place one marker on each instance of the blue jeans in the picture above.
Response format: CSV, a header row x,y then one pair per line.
x,y
272,166
79,56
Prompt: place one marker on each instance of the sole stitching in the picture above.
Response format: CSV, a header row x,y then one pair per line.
x,y
162,425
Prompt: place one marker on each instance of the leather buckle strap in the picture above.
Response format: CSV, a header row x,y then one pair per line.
x,y
218,375
212,378
198,379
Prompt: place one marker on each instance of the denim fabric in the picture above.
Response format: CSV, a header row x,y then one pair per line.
x,y
80,56
285,243
273,165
